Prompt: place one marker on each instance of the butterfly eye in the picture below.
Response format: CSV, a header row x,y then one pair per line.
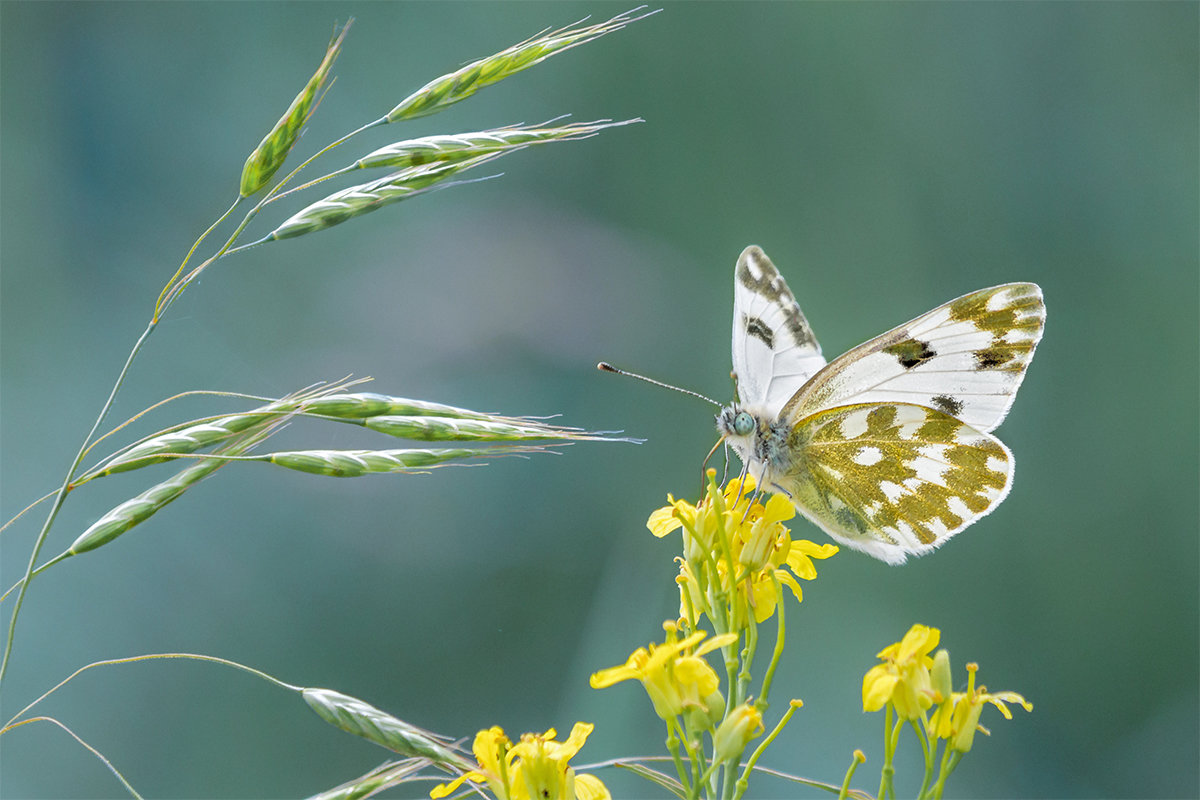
x,y
743,424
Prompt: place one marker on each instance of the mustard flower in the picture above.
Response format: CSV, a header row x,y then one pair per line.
x,y
743,724
761,550
968,706
674,674
700,521
783,552
536,768
903,679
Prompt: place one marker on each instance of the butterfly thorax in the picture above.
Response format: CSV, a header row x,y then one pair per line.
x,y
760,441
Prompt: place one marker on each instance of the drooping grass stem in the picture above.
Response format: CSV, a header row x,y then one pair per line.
x,y
61,496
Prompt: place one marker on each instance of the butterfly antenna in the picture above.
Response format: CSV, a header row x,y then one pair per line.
x,y
604,366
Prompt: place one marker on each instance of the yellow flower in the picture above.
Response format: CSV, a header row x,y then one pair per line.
x,y
942,683
743,724
666,519
796,555
699,522
491,749
968,706
536,768
763,536
675,675
761,550
544,773
903,679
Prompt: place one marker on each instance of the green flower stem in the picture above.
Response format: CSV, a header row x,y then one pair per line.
x,y
744,780
673,748
701,776
747,654
727,552
858,758
950,759
61,496
929,750
889,751
780,639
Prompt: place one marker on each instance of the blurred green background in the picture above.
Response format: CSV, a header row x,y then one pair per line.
x,y
888,157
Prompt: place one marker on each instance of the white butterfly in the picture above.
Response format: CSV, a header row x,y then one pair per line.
x,y
886,448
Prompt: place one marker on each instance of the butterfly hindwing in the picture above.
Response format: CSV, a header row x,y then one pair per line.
x,y
893,479
774,349
966,358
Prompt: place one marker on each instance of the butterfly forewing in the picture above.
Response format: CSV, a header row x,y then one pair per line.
x,y
893,479
774,349
965,358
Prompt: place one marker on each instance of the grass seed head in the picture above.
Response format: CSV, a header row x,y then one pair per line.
x,y
145,505
439,429
355,405
461,146
363,719
273,150
367,197
356,463
190,439
464,82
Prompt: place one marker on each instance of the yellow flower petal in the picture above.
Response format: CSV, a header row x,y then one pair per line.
x,y
720,640
878,685
579,734
663,520
998,699
697,671
919,640
778,509
787,580
589,787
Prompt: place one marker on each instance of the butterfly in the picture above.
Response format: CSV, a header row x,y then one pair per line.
x,y
887,448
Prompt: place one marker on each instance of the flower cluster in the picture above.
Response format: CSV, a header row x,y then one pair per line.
x,y
676,677
738,558
917,687
736,554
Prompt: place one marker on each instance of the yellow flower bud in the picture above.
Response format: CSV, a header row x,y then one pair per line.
x,y
743,724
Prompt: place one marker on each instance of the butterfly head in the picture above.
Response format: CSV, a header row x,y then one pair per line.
x,y
734,422
738,427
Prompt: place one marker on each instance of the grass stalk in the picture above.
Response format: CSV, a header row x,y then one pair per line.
x,y
61,496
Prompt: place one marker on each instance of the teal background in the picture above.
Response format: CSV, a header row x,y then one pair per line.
x,y
888,157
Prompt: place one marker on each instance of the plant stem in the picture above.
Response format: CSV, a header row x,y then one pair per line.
x,y
61,496
780,638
